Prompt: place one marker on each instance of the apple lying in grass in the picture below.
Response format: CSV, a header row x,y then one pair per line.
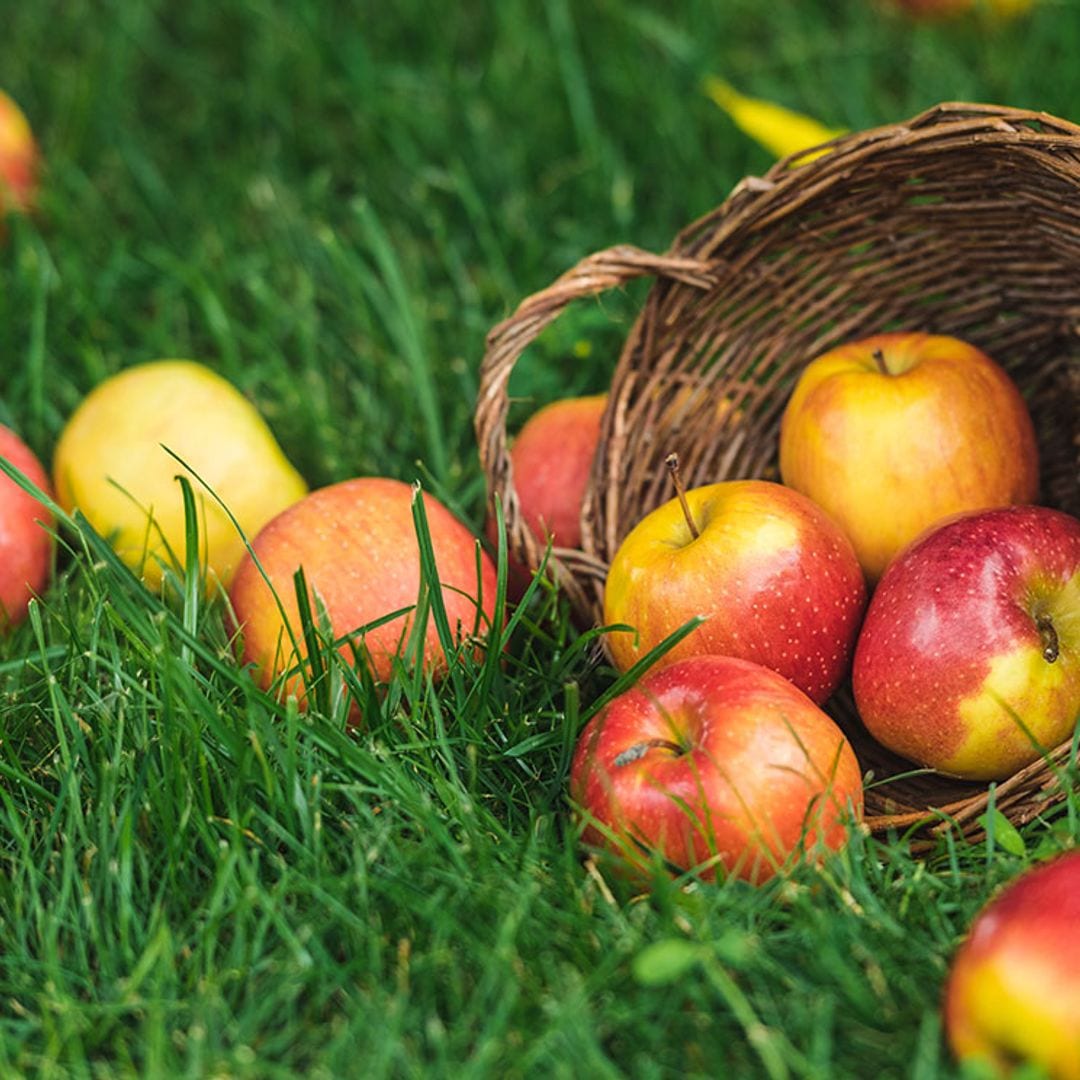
x,y
1013,992
944,9
774,578
111,464
19,158
717,764
551,459
357,544
894,432
968,660
25,540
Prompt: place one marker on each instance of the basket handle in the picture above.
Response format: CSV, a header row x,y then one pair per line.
x,y
596,273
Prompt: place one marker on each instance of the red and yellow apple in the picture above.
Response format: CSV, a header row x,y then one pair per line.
x,y
19,158
715,764
1013,992
551,458
356,542
968,660
111,463
774,578
894,432
25,540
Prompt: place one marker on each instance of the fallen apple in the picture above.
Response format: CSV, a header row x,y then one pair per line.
x,y
19,158
715,764
894,432
946,9
1013,992
25,540
968,660
773,577
112,464
357,545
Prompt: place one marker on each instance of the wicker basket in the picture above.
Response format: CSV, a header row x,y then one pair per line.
x,y
965,220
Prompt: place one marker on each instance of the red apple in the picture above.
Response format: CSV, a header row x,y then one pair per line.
x,y
1013,993
968,660
894,432
774,578
357,544
25,542
718,764
18,158
551,459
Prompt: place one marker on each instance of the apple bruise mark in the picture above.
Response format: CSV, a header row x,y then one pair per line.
x,y
672,463
1049,638
639,750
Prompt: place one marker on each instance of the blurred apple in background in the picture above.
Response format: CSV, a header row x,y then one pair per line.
x,y
945,9
897,431
717,763
356,542
1013,992
25,541
551,458
110,464
775,579
19,158
972,635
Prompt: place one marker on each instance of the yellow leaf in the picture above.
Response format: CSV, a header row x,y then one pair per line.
x,y
779,130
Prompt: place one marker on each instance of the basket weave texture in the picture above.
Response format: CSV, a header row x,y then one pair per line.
x,y
964,220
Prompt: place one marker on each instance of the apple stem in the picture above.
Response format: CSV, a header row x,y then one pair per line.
x,y
879,359
672,463
1048,634
639,750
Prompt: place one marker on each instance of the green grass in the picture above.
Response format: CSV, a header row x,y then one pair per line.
x,y
331,204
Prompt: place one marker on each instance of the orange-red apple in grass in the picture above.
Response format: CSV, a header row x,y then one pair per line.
x,y
715,764
774,578
896,431
25,540
356,542
551,458
968,660
18,158
1013,993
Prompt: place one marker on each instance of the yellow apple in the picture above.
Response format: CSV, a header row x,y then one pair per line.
x,y
896,432
111,464
18,158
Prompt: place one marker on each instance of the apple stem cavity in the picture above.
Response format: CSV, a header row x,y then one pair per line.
x,y
639,750
879,359
672,463
1049,637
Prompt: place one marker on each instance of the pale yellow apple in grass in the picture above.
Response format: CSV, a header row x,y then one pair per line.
x,y
111,463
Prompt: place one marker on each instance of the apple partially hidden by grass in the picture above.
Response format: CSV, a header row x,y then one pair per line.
x,y
774,578
357,544
897,431
715,764
1013,992
551,458
111,463
968,660
25,540
947,9
19,158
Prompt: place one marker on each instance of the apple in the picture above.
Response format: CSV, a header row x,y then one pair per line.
x,y
774,578
1013,992
896,431
111,464
25,540
18,158
943,9
968,660
718,764
551,459
356,542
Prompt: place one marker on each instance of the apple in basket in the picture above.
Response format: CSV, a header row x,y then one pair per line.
x,y
1013,992
771,574
896,431
714,764
968,660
